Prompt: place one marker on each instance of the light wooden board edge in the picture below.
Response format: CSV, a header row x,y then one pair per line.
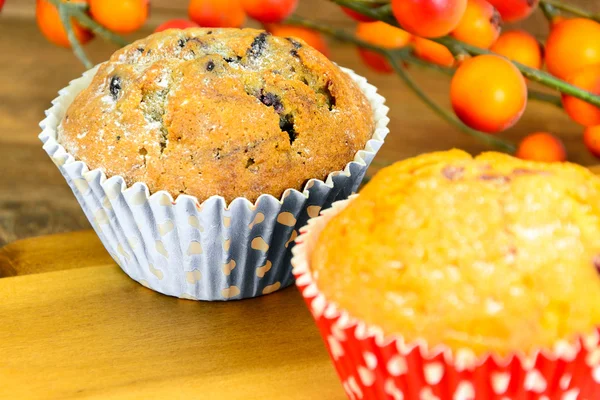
x,y
53,253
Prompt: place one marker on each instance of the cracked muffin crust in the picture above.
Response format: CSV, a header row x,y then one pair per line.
x,y
492,254
229,112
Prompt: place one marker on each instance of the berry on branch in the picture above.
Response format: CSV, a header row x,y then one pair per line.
x,y
521,47
217,13
429,18
480,25
591,138
587,78
383,35
488,93
121,16
571,45
312,38
269,11
433,52
176,24
514,10
356,15
50,24
541,146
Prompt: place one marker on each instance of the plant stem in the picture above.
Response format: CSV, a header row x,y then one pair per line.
x,y
395,57
549,12
383,13
570,8
65,18
79,12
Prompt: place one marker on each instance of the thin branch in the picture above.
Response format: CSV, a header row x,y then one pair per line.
x,y
79,12
384,13
77,49
98,29
549,12
572,9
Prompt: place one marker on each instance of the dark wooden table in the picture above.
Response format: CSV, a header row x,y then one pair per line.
x,y
34,199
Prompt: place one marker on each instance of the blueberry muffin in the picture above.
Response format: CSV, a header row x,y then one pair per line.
x,y
492,254
229,112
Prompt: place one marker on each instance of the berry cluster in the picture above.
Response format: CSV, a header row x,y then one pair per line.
x,y
490,69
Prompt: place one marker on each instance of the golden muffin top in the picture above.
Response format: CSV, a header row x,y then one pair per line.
x,y
491,253
230,112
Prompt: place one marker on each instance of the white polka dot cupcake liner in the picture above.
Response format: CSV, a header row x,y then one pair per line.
x,y
372,365
210,250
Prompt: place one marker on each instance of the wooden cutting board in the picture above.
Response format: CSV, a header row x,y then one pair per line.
x,y
72,325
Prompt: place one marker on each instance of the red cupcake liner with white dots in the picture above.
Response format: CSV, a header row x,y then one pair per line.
x,y
372,365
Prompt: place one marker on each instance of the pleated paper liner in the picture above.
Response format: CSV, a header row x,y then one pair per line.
x,y
210,250
374,366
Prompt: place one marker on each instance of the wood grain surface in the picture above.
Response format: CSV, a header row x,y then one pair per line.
x,y
94,333
35,200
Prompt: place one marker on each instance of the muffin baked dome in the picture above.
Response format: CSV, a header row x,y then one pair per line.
x,y
229,112
491,254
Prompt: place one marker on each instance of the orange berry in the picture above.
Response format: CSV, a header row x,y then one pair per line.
x,y
121,16
587,78
541,146
433,52
557,19
49,23
429,18
356,15
269,11
514,10
217,13
591,138
312,38
383,35
480,24
176,24
488,93
520,46
572,44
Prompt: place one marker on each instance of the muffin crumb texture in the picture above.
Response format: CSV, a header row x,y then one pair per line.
x,y
492,254
228,112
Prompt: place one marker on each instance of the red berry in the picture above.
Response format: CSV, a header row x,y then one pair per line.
x,y
587,78
572,45
480,24
591,138
176,24
383,35
542,146
488,93
514,10
312,38
269,11
429,18
520,46
121,16
217,13
433,52
356,15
